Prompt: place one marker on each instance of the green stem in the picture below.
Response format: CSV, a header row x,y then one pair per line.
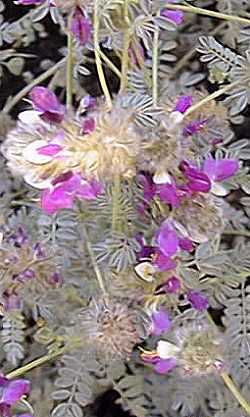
x,y
155,59
211,13
116,203
93,261
229,382
236,393
244,233
34,364
126,44
110,64
12,103
212,96
70,66
98,58
182,62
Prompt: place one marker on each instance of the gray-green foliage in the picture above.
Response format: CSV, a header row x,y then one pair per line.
x,y
219,268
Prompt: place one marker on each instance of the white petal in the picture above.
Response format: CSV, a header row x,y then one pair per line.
x,y
29,117
162,177
176,117
166,350
180,228
31,154
36,182
219,190
145,270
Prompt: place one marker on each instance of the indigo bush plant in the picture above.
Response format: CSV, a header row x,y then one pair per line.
x,y
124,224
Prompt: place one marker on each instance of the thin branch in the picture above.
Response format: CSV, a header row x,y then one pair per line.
x,y
93,261
212,96
155,63
236,393
98,58
70,66
211,13
42,77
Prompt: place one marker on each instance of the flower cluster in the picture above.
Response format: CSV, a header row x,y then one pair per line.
x,y
112,327
197,351
69,157
25,265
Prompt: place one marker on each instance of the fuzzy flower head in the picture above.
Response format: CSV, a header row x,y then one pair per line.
x,y
42,149
112,327
197,350
201,217
26,267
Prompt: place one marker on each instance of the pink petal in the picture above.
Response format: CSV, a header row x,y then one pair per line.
x,y
175,16
220,169
161,322
89,125
81,27
163,366
183,103
44,100
168,193
50,149
198,180
15,390
186,244
90,190
163,262
167,240
52,201
172,285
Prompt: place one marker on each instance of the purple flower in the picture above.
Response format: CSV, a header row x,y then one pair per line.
x,y
11,391
88,103
164,366
172,285
161,366
88,125
198,181
167,240
56,279
81,26
169,194
46,102
194,127
183,104
198,300
19,238
163,262
186,244
220,169
26,275
51,149
11,302
66,188
149,188
160,322
175,16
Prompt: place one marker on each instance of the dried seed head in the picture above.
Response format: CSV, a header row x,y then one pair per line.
x,y
200,349
112,327
164,149
201,217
